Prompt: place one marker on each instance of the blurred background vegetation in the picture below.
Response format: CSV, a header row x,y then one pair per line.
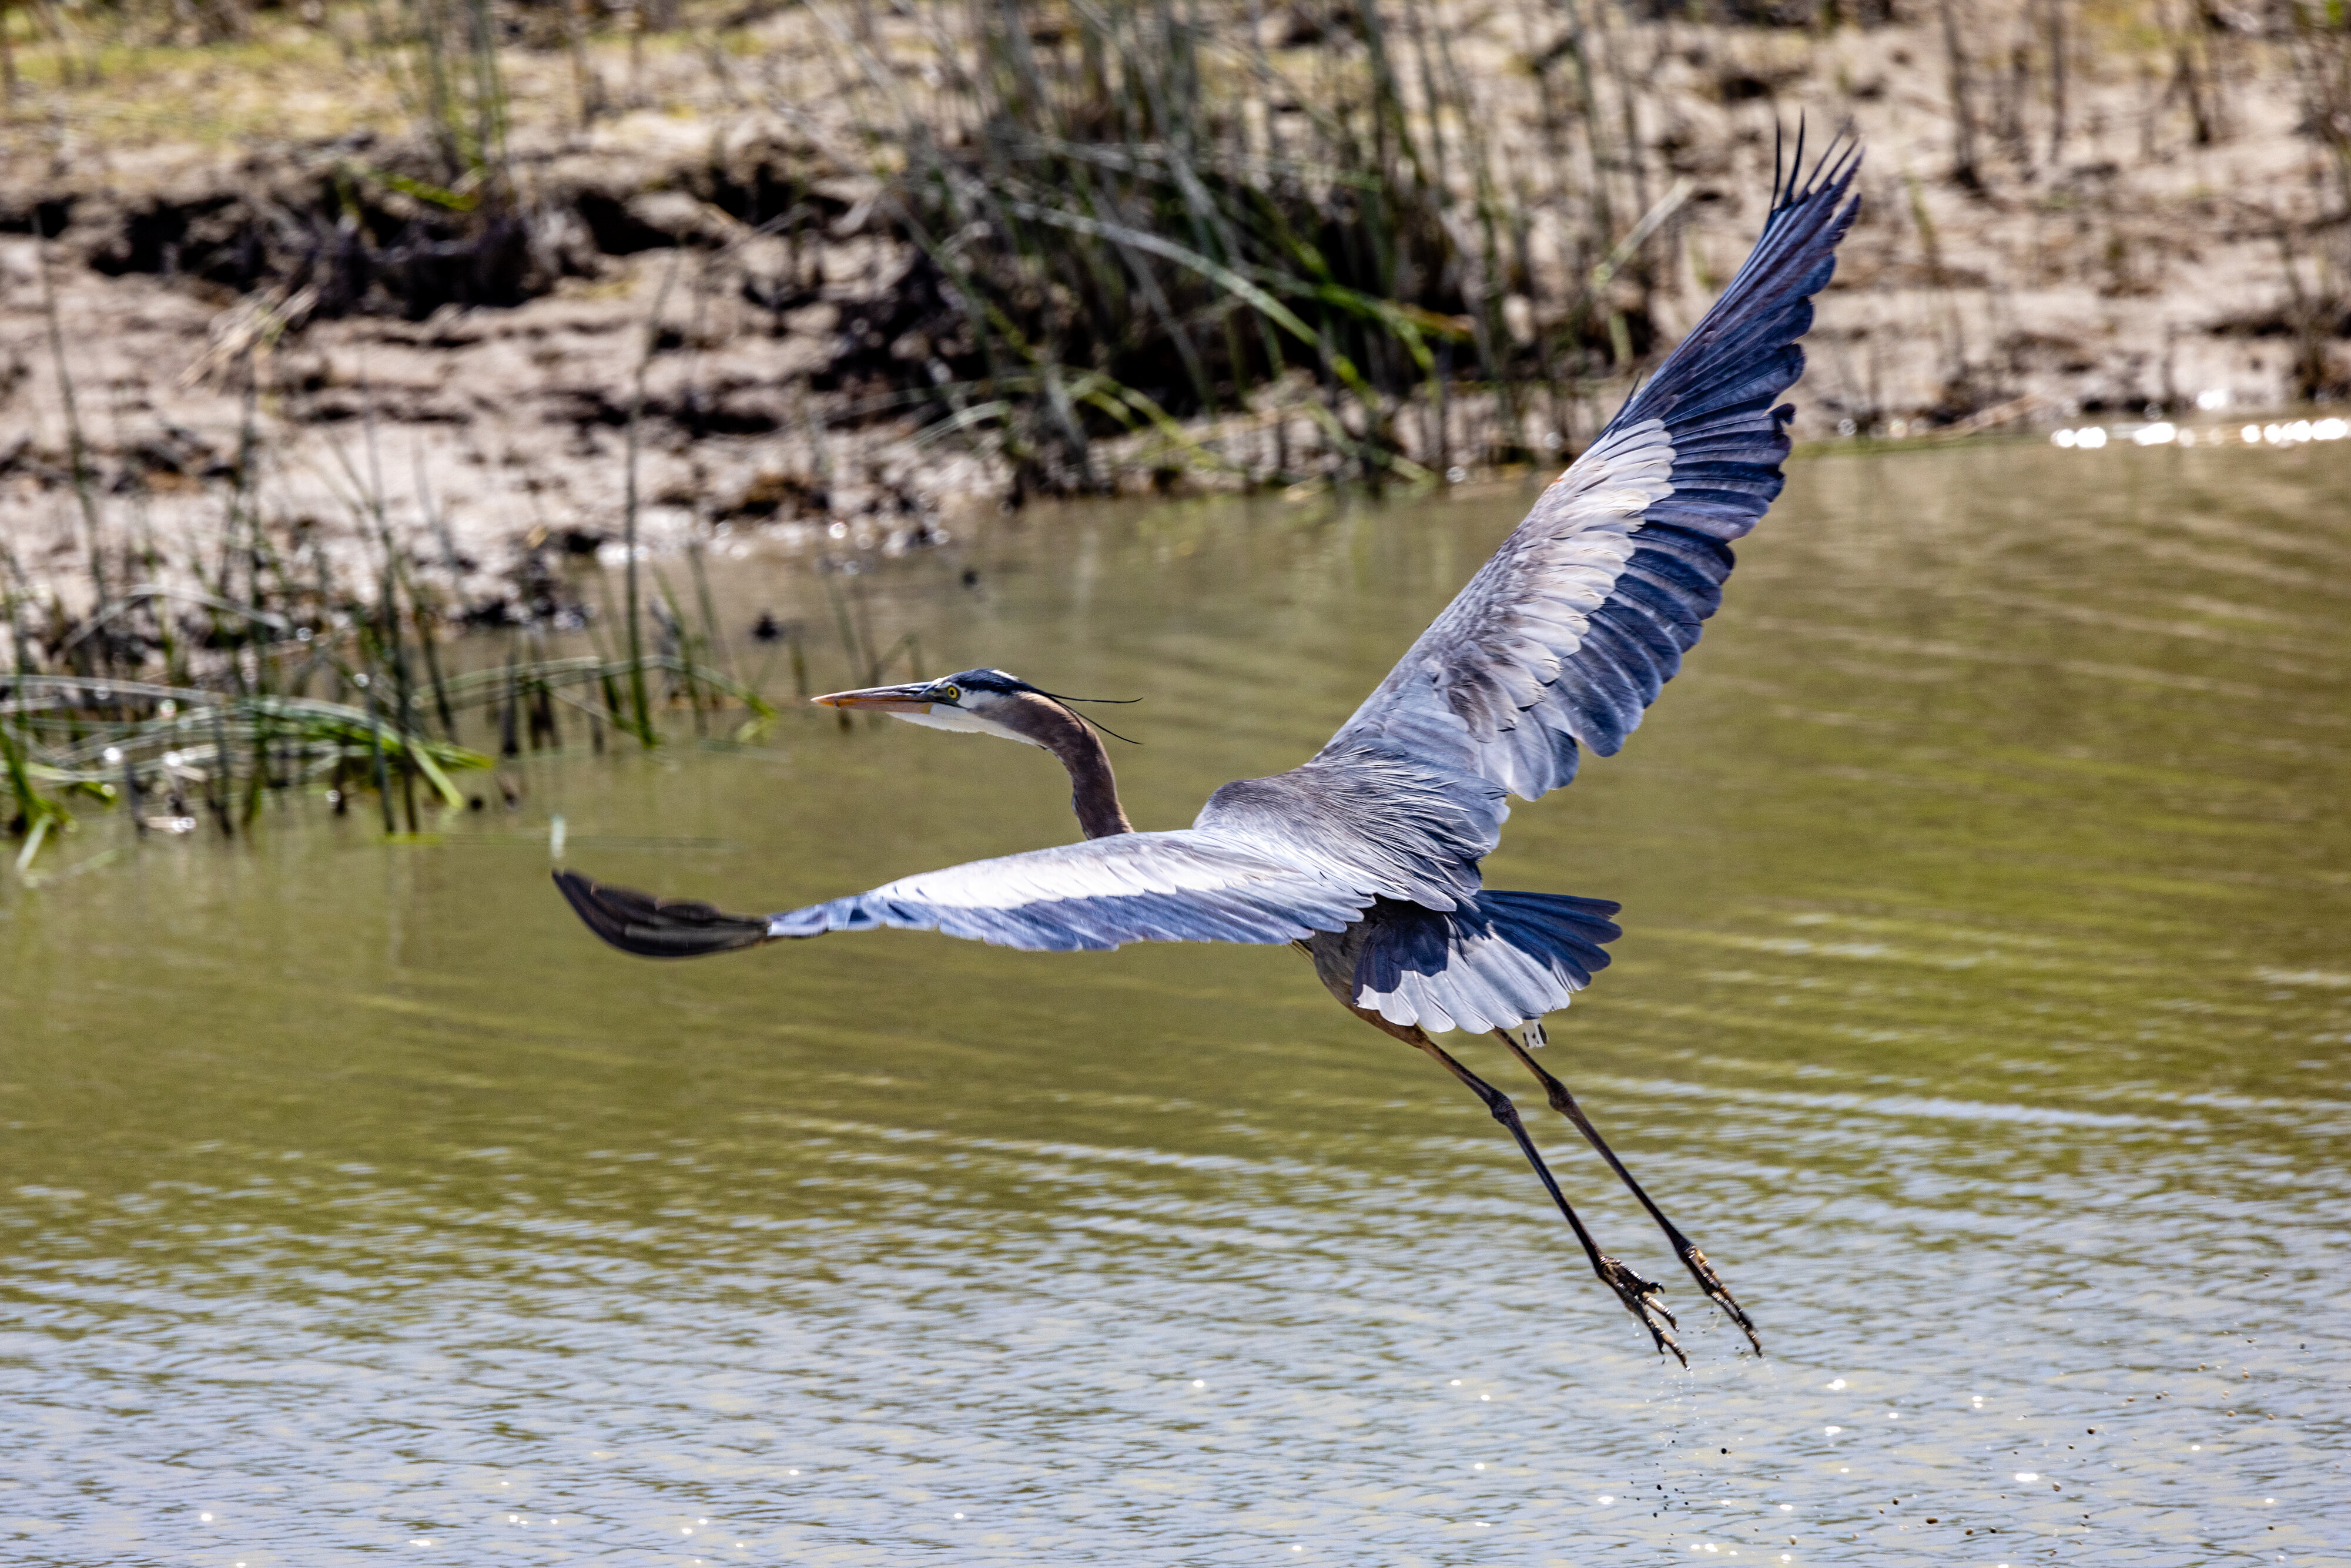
x,y
1122,217
293,288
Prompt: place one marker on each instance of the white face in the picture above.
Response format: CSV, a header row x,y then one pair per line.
x,y
962,720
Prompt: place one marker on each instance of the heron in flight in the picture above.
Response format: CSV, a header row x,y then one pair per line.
x,y
1366,857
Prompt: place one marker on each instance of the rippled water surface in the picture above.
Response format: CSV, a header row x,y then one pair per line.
x,y
1984,1009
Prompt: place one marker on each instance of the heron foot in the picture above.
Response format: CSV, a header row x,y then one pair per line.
x,y
1564,1101
1719,1293
1640,1299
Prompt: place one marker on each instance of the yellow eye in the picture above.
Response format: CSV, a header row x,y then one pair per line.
x,y
948,695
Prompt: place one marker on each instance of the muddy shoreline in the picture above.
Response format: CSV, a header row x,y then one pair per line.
x,y
637,324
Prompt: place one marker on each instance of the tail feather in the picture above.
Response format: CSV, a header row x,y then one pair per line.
x,y
658,928
1502,959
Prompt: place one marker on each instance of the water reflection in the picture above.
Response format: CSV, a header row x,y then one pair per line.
x,y
1983,1012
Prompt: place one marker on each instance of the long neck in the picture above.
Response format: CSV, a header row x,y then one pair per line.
x,y
1093,791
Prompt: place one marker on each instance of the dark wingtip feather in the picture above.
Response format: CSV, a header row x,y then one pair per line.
x,y
1791,187
657,927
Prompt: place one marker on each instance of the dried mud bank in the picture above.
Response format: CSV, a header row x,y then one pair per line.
x,y
709,307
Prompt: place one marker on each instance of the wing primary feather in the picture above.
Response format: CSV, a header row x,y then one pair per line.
x,y
654,928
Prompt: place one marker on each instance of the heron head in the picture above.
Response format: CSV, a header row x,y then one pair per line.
x,y
975,702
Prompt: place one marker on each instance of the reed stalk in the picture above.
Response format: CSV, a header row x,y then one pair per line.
x,y
77,446
375,752
639,705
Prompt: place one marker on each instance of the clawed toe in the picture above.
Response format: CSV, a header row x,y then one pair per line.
x,y
1711,1283
1640,1299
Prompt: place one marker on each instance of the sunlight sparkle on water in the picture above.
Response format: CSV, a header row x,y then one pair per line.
x,y
634,1349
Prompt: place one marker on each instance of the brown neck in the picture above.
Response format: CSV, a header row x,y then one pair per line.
x,y
1093,791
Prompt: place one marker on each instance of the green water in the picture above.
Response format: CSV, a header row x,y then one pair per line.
x,y
1984,1009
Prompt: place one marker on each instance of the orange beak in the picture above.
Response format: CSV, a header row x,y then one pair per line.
x,y
881,699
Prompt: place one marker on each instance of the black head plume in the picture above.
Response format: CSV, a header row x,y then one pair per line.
x,y
1003,681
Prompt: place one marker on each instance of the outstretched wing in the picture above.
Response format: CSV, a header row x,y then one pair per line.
x,y
1184,887
1567,634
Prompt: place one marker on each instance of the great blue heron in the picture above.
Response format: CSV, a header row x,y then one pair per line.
x,y
1366,857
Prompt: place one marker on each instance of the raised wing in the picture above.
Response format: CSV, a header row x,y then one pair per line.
x,y
1184,887
1568,634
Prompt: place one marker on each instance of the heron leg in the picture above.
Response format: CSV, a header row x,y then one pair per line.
x,y
1639,1295
1692,1259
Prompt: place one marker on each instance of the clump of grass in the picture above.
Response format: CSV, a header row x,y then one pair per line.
x,y
1134,216
133,743
275,677
443,57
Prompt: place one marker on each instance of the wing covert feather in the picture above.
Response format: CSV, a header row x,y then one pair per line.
x,y
1181,886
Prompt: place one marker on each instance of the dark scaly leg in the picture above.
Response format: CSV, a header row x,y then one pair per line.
x,y
1692,1259
1638,1296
